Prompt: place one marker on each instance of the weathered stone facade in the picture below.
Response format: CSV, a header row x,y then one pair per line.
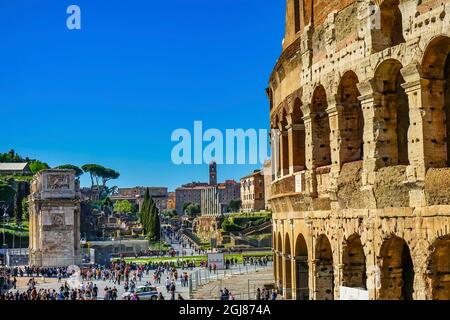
x,y
360,98
54,210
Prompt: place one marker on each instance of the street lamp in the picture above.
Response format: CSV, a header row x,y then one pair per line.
x,y
4,207
19,226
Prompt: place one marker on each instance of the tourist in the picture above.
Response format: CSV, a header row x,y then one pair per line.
x,y
258,294
274,295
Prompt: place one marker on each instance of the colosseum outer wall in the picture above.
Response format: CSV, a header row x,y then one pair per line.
x,y
359,99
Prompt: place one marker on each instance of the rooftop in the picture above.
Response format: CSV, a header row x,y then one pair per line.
x,y
13,166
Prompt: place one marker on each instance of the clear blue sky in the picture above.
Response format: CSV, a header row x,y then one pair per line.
x,y
113,92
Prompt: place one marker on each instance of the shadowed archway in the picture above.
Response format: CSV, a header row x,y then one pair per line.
x,y
397,270
354,261
324,269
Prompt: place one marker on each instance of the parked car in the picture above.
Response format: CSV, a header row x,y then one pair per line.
x,y
143,292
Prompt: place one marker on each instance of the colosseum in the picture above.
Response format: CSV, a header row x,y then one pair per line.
x,y
359,101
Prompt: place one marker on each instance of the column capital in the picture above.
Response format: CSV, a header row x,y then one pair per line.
x,y
411,72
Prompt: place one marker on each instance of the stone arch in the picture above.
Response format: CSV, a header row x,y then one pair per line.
x,y
269,93
298,137
280,261
439,269
307,9
354,261
297,16
288,267
397,270
320,127
393,117
324,272
301,268
284,143
390,31
436,99
274,254
351,124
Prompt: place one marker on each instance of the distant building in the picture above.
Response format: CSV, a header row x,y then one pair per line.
x,y
267,172
229,190
15,169
191,193
188,193
171,201
136,196
252,192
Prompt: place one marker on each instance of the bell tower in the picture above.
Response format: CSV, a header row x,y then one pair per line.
x,y
213,174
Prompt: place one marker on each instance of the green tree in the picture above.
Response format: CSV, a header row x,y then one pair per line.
x,y
170,213
193,210
155,224
149,217
25,214
37,166
6,191
108,174
97,172
78,171
234,205
123,206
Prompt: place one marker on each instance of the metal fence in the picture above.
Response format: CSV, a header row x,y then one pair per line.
x,y
202,277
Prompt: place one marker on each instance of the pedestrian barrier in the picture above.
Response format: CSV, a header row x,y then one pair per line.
x,y
202,277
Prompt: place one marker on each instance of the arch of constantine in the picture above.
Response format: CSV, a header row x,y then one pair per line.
x,y
359,102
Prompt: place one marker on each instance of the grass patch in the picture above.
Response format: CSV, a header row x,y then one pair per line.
x,y
260,237
197,259
156,246
12,229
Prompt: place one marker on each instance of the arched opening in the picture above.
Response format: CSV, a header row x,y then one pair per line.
x,y
269,93
351,119
302,269
354,260
397,270
284,145
320,128
393,118
324,269
275,148
436,101
298,138
296,15
307,7
274,255
389,33
288,269
280,264
439,269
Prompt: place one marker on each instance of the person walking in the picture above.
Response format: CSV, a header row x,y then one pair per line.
x,y
258,294
172,290
167,284
274,295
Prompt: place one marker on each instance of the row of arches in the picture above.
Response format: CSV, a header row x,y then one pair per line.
x,y
397,272
342,127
